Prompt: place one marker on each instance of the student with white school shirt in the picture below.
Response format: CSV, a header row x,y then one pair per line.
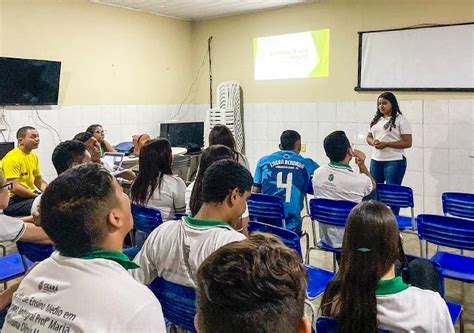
x,y
366,294
175,249
85,286
156,186
338,181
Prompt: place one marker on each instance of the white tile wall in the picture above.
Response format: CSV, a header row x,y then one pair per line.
x,y
443,133
443,139
120,122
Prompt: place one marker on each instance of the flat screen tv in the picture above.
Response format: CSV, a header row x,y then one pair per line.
x,y
29,82
188,135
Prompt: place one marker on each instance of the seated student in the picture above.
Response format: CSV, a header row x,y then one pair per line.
x,y
286,174
255,285
337,180
21,167
366,294
87,215
175,249
99,134
65,156
93,147
193,191
221,135
156,186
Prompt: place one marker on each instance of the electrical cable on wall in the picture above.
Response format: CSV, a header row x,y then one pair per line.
x,y
198,76
47,126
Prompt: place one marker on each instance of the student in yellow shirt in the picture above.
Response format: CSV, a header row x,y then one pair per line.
x,y
21,167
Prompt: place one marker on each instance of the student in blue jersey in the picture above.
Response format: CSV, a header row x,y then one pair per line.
x,y
286,174
84,286
366,293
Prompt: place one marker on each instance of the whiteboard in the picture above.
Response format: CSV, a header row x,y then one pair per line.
x,y
432,58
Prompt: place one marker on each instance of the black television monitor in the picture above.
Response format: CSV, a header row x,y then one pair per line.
x,y
188,135
29,82
5,147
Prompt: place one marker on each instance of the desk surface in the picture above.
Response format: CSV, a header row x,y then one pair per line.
x,y
175,151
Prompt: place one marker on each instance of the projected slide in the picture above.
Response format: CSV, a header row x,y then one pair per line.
x,y
290,56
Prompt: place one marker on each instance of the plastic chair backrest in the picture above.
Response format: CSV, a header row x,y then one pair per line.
x,y
266,209
146,219
446,231
124,147
290,238
33,251
395,196
458,204
309,187
332,212
328,325
177,301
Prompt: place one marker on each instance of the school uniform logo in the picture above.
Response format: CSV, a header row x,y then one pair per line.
x,y
47,287
331,177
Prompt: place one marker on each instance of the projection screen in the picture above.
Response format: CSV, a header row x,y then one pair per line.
x,y
428,58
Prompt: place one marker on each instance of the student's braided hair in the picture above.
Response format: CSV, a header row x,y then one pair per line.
x,y
395,111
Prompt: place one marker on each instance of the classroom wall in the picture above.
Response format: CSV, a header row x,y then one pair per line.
x,y
109,55
443,123
232,49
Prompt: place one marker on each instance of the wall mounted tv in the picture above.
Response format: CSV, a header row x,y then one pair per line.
x,y
29,81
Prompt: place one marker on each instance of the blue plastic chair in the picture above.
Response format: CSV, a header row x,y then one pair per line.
x,y
317,278
332,213
397,196
290,238
178,302
328,325
267,209
131,251
458,204
12,266
179,216
145,219
124,147
452,232
34,251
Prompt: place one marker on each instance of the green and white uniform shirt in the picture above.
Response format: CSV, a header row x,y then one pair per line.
x,y
337,181
175,249
94,293
402,308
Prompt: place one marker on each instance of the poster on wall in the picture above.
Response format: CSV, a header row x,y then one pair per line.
x,y
292,56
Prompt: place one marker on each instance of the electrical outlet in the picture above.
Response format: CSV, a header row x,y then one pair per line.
x,y
303,147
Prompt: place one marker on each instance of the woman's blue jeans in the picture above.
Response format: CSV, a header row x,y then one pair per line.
x,y
389,172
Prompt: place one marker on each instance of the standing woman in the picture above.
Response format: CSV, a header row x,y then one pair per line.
x,y
156,186
221,135
98,132
390,133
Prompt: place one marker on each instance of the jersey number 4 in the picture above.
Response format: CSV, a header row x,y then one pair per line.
x,y
287,186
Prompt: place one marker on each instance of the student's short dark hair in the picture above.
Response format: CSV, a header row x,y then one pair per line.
x,y
83,136
336,145
224,176
23,130
67,154
288,139
75,206
255,285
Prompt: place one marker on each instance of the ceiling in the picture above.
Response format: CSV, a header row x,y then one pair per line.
x,y
196,10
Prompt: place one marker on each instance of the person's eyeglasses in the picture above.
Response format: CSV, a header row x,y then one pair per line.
x,y
9,186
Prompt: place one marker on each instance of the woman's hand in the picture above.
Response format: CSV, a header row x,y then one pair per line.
x,y
380,144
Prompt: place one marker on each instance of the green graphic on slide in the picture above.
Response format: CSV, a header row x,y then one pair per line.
x,y
321,41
